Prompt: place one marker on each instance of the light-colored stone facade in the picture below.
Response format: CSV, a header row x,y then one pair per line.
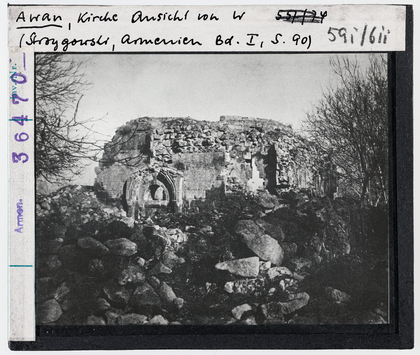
x,y
172,163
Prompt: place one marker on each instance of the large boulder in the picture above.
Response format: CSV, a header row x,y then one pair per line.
x,y
115,230
278,271
247,229
336,295
143,295
116,293
274,310
170,259
158,320
71,300
166,293
266,247
121,246
267,201
159,268
139,238
92,246
133,273
247,267
271,229
238,311
91,228
49,312
62,291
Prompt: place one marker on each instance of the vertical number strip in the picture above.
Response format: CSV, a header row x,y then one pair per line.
x,y
21,242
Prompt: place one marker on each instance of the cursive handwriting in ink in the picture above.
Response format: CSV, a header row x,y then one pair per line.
x,y
45,19
65,42
138,16
126,39
352,35
85,17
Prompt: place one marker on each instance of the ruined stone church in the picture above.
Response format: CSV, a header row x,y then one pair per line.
x,y
174,163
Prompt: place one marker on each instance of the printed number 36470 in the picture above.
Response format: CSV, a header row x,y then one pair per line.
x,y
18,78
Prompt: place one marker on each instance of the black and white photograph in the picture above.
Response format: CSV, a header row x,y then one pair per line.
x,y
212,189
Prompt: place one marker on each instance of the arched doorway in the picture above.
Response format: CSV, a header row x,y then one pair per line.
x,y
156,194
151,188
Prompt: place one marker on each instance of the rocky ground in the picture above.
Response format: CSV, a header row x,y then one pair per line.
x,y
251,259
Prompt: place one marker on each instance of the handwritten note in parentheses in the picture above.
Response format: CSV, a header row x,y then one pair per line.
x,y
21,195
273,28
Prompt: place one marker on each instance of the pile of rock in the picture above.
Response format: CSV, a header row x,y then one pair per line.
x,y
108,279
76,204
257,259
262,277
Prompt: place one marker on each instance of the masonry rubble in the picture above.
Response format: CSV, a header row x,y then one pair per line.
x,y
195,222
96,266
175,163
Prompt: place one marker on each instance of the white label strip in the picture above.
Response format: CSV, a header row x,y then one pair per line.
x,y
21,195
270,28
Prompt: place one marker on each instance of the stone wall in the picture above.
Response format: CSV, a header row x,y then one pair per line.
x,y
201,172
233,153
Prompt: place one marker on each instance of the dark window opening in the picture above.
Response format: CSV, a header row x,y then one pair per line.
x,y
158,193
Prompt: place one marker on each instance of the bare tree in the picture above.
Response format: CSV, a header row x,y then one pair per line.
x,y
350,126
61,139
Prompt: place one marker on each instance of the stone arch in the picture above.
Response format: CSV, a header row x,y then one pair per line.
x,y
158,188
166,178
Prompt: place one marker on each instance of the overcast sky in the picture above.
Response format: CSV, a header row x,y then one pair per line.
x,y
280,87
